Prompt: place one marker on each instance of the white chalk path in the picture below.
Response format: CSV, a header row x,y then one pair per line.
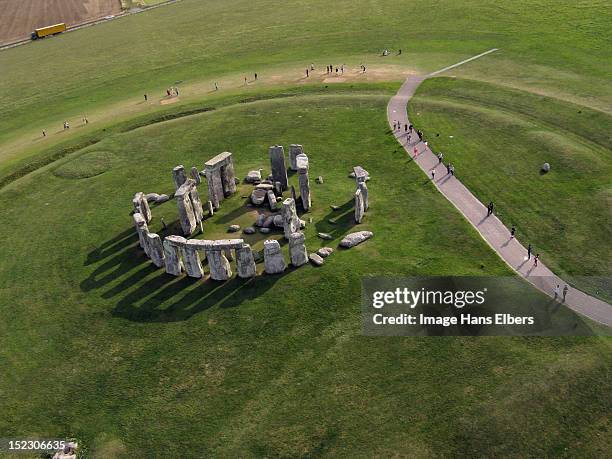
x,y
490,228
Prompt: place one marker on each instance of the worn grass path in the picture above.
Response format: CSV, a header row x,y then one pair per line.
x,y
493,231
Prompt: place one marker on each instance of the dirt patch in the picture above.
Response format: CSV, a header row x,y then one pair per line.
x,y
169,101
21,17
334,80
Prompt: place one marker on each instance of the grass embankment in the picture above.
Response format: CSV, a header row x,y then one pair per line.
x,y
100,345
501,138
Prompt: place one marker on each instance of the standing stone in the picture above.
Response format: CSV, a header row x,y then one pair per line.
x,y
156,249
196,203
141,206
141,228
361,175
178,175
211,209
193,265
291,221
220,268
245,262
272,200
277,163
297,249
173,248
293,193
304,181
358,206
294,150
185,208
274,262
228,254
221,178
364,195
195,175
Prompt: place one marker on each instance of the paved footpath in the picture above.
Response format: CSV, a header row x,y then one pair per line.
x,y
490,228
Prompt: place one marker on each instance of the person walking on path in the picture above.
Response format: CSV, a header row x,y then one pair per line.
x,y
255,76
433,174
452,170
490,208
512,231
440,157
535,260
399,53
529,249
556,291
216,86
415,151
245,81
312,67
565,289
448,169
44,133
306,73
405,128
146,97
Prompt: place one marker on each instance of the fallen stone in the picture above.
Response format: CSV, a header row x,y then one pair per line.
x,y
264,230
249,230
253,176
319,179
316,259
352,175
162,198
334,207
152,197
326,236
261,218
233,228
268,222
278,221
325,252
272,200
264,186
258,196
351,240
545,167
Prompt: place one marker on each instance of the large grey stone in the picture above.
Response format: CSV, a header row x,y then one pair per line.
x,y
269,221
351,240
221,178
364,195
141,206
297,249
141,229
162,198
186,212
277,163
258,196
272,200
316,259
245,262
195,175
279,221
219,265
156,249
274,262
304,183
545,167
361,175
173,248
152,197
325,252
253,176
249,230
326,236
191,259
358,206
233,228
178,176
261,218
291,221
294,151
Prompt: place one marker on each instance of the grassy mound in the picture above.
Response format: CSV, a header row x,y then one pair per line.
x,y
498,140
86,165
274,366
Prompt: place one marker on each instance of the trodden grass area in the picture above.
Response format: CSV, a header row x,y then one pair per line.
x,y
498,139
134,363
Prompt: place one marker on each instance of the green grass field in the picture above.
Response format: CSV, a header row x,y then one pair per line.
x,y
97,344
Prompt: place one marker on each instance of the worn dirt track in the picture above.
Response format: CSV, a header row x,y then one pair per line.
x,y
20,17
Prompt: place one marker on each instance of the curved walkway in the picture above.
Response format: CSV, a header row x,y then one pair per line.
x,y
490,228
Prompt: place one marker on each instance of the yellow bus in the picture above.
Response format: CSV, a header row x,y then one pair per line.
x,y
49,30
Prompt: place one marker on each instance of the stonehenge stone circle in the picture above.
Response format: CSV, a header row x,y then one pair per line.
x,y
156,250
294,150
245,262
173,247
221,178
277,163
291,221
352,239
178,175
274,262
297,249
364,195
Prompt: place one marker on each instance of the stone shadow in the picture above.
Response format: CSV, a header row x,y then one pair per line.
x,y
343,220
106,249
205,295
